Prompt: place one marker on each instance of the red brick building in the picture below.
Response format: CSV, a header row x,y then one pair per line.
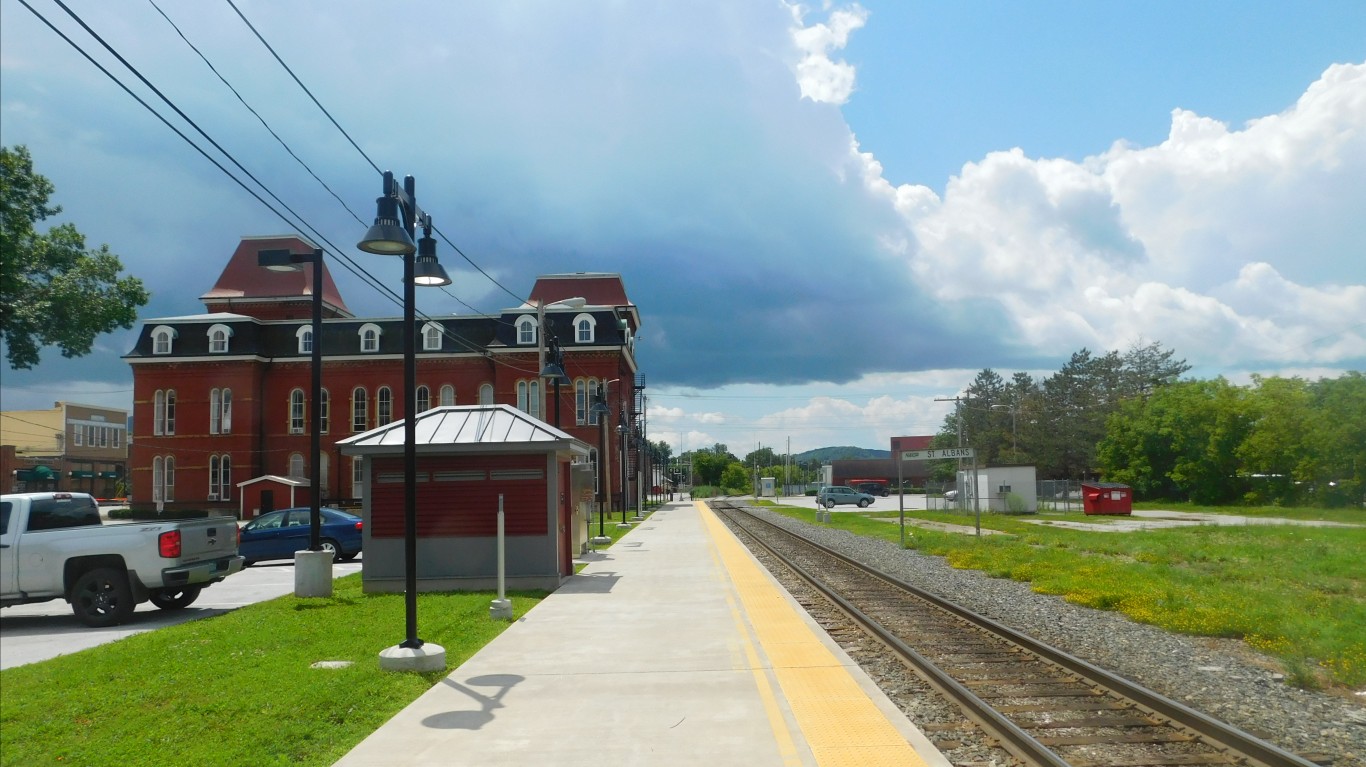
x,y
222,397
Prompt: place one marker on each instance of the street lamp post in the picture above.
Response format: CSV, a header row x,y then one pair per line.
x,y
313,568
393,236
554,372
602,412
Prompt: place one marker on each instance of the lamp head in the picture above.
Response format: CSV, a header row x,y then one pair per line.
x,y
278,260
387,237
554,373
427,271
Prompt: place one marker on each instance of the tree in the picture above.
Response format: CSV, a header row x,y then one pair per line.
x,y
54,291
735,479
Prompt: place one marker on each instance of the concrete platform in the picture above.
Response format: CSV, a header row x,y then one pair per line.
x,y
673,647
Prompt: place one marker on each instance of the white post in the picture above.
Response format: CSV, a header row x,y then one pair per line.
x,y
502,607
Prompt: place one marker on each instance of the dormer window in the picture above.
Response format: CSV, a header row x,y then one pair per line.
x,y
305,338
431,337
526,331
218,339
369,337
585,329
162,336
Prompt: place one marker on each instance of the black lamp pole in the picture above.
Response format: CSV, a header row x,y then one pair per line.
x,y
393,236
282,260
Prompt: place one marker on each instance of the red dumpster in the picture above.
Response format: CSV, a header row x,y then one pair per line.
x,y
1106,498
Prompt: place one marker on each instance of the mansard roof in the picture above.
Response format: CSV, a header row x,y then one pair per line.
x,y
244,281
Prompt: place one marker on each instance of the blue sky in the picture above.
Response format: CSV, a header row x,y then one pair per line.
x,y
830,215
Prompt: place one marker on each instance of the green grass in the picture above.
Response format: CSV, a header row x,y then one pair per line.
x,y
237,689
1295,593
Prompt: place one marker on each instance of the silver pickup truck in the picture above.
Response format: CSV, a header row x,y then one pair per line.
x,y
55,546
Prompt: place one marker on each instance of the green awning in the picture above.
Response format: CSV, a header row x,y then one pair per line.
x,y
82,475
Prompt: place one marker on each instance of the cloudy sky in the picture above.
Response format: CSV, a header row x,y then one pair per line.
x,y
830,215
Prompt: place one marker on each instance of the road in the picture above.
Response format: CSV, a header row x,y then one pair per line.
x,y
31,633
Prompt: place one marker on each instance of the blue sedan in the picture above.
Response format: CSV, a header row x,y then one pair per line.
x,y
279,534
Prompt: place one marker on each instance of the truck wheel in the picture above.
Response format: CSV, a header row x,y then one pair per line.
x,y
102,598
175,599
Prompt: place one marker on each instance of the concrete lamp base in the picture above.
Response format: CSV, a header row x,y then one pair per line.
x,y
599,540
428,657
621,525
312,573
501,609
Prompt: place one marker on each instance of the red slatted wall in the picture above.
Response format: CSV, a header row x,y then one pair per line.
x,y
461,508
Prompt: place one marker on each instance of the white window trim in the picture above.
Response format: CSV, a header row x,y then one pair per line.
x,y
304,332
523,325
369,326
486,394
447,388
592,329
427,344
164,332
227,338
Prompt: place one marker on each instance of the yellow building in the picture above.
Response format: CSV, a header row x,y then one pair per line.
x,y
75,447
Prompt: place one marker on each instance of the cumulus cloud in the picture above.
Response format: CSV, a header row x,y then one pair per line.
x,y
821,78
1226,244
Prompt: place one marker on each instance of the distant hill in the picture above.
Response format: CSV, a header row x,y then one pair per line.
x,y
844,453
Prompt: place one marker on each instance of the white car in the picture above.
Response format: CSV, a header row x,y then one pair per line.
x,y
950,495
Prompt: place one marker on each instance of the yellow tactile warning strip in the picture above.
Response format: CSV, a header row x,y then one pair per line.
x,y
840,723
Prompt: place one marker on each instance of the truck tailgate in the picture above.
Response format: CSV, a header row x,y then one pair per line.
x,y
211,538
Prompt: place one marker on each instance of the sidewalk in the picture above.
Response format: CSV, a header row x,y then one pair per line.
x,y
673,647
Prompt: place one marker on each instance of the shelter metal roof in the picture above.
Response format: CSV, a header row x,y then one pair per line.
x,y
468,428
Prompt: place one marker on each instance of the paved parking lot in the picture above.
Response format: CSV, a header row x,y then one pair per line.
x,y
30,633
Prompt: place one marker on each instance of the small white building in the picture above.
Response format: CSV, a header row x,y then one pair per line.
x,y
1002,489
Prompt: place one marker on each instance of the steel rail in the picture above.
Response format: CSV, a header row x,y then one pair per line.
x,y
1217,733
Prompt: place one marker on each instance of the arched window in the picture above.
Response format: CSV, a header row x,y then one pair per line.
x,y
580,402
227,411
369,337
296,411
526,331
585,329
215,412
359,410
447,395
158,478
304,335
220,478
431,337
162,338
384,406
296,465
529,397
225,475
159,412
593,388
486,394
168,480
168,422
218,339
324,411
424,399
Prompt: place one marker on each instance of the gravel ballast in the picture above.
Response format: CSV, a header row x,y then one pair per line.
x,y
1221,677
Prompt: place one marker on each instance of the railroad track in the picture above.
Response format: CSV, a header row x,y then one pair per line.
x,y
1041,705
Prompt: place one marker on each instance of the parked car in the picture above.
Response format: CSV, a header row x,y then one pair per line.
x,y
872,488
835,495
278,534
950,495
55,546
